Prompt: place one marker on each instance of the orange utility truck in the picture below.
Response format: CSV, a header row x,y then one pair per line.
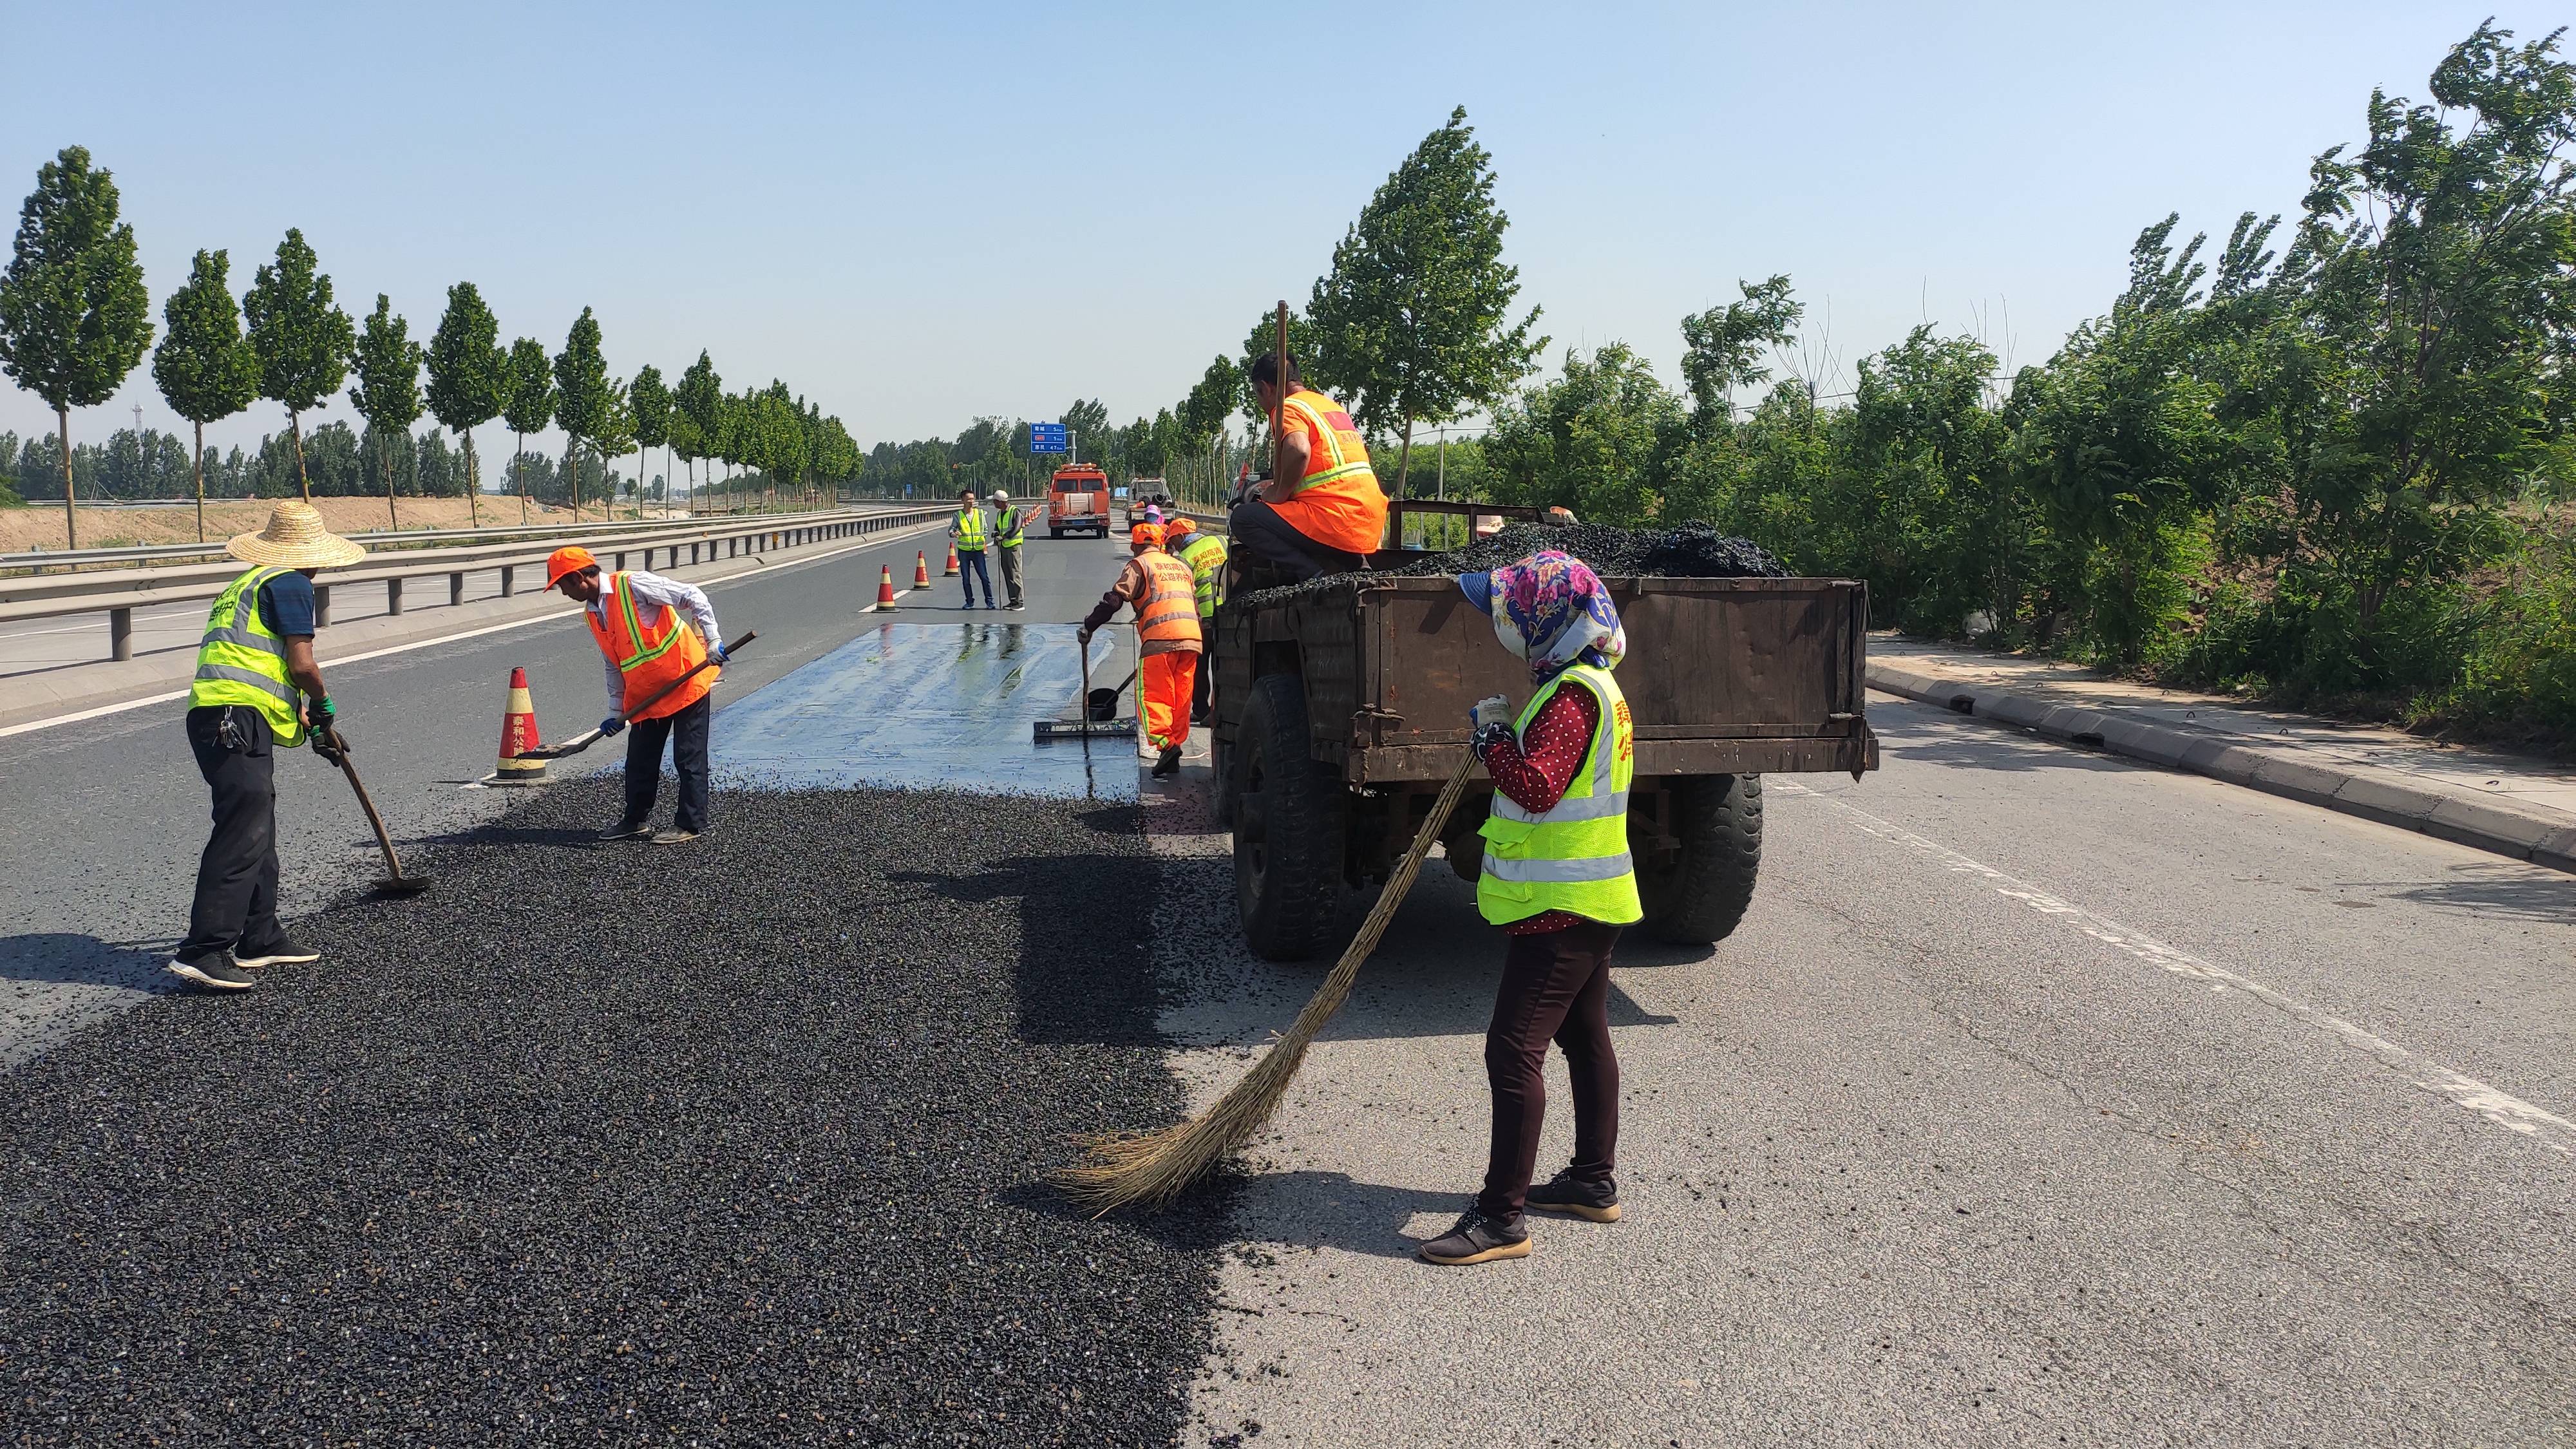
x,y
1078,499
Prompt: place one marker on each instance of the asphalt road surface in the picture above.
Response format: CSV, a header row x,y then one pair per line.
x,y
2043,1098
109,813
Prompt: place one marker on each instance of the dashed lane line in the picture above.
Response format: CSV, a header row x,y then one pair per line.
x,y
2489,1103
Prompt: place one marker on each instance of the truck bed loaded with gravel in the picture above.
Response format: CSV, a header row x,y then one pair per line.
x,y
1342,703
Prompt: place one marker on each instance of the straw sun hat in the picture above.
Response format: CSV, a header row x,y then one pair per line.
x,y
295,539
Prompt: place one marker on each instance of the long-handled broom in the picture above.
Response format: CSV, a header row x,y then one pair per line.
x,y
1153,1168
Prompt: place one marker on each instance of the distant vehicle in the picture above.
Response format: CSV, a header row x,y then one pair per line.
x,y
1143,491
1078,499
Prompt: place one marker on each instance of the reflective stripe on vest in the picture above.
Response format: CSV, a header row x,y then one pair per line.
x,y
240,662
1572,856
970,530
1205,554
1013,531
1170,608
1342,454
648,658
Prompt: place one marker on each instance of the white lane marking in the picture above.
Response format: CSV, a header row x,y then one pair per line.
x,y
2496,1106
743,577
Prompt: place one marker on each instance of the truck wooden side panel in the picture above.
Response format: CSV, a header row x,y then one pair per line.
x,y
1725,676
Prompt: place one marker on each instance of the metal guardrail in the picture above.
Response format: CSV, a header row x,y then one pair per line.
x,y
68,558
119,592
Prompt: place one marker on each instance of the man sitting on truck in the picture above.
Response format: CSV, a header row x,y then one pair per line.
x,y
1320,511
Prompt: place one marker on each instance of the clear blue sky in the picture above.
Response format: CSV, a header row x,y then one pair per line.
x,y
917,214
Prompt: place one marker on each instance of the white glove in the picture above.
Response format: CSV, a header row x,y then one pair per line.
x,y
1492,709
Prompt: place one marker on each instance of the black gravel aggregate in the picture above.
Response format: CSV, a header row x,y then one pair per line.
x,y
736,1142
1692,551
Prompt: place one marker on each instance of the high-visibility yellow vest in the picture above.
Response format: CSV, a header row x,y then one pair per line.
x,y
1573,856
970,530
1013,530
1205,554
240,662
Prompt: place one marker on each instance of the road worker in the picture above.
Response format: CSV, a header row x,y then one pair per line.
x,y
654,632
967,532
1559,881
1204,552
257,688
1157,585
1320,511
1010,530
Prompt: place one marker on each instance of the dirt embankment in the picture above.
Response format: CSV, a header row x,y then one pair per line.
x,y
40,525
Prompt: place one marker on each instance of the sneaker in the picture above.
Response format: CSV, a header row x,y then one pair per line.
x,y
1023,608
1477,1239
284,953
627,830
1168,762
214,969
1563,1193
674,837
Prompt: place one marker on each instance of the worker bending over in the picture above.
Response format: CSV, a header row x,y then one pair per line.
x,y
1320,511
1010,530
257,688
1559,880
653,632
967,532
1157,585
1204,554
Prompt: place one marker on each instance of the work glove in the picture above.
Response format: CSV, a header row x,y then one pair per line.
x,y
1492,709
716,655
321,714
321,742
611,726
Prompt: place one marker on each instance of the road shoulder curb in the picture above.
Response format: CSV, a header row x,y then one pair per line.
x,y
2463,817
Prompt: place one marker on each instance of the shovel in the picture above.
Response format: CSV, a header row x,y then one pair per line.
x,y
581,742
396,883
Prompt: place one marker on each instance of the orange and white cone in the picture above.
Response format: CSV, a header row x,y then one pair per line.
x,y
921,570
952,560
885,586
519,736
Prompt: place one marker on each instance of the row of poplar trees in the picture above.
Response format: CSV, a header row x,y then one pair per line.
x,y
75,320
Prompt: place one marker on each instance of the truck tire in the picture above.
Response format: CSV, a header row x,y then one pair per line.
x,y
1701,895
1055,533
1287,827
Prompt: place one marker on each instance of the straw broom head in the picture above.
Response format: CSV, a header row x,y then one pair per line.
x,y
1153,1168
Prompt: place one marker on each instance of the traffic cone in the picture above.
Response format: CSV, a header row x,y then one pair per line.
x,y
952,562
921,570
518,736
885,586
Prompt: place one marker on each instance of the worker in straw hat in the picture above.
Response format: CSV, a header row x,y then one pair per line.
x,y
654,633
1559,881
257,687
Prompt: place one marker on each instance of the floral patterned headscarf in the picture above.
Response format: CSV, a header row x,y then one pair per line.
x,y
1550,609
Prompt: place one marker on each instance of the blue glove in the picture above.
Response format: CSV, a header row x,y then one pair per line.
x,y
717,654
611,726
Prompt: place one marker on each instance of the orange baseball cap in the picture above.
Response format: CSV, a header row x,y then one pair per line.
x,y
1176,525
1146,533
568,560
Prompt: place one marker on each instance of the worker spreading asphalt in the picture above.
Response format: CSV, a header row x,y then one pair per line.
x,y
588,1144
1691,551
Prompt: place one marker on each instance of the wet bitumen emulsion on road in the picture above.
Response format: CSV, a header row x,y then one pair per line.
x,y
933,705
737,1141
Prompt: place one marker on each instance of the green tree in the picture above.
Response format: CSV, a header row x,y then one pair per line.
x,y
303,340
530,406
388,390
581,394
74,318
1595,440
612,434
650,403
700,399
1086,419
204,366
469,377
1414,320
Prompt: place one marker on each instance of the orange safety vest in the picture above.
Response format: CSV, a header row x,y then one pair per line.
x,y
1170,608
649,653
1338,503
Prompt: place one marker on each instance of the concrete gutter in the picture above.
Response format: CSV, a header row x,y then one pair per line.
x,y
2486,822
